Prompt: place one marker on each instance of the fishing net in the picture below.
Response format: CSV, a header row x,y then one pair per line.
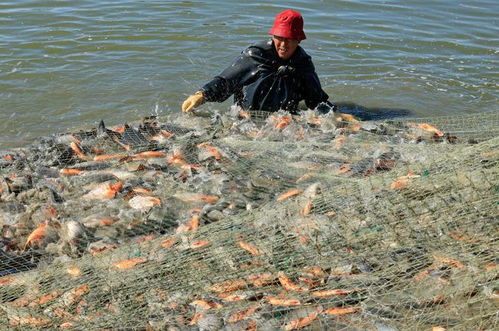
x,y
250,221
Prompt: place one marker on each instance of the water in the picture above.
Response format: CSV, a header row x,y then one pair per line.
x,y
67,64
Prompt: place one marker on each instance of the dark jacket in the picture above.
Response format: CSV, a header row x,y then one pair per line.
x,y
260,80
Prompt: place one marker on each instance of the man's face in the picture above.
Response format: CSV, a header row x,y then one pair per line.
x,y
285,47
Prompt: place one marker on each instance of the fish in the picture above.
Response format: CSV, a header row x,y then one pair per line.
x,y
148,155
203,304
70,297
276,301
230,285
45,298
342,310
289,194
129,263
262,279
37,235
250,248
200,244
288,284
104,191
303,321
332,292
74,271
282,122
242,314
70,172
144,203
31,321
212,150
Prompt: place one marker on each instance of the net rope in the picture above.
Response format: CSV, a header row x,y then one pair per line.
x,y
254,221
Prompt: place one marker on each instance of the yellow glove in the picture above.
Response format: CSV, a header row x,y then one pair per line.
x,y
194,101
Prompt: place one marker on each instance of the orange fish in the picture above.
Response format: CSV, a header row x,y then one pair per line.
x,y
399,184
75,147
176,158
195,319
200,244
205,304
75,294
288,194
70,172
327,293
283,122
129,263
282,301
304,321
250,248
168,242
194,223
342,311
288,284
166,134
96,251
37,235
450,261
314,271
6,280
144,202
141,190
45,298
208,198
307,208
124,146
108,221
149,155
66,325
346,118
307,281
231,297
261,279
119,129
104,191
488,267
426,127
31,321
244,114
228,286
74,271
105,157
242,314
212,150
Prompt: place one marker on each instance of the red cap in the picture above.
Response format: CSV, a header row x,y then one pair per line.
x,y
288,24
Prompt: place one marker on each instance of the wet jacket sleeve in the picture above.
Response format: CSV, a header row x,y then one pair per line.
x,y
238,74
313,93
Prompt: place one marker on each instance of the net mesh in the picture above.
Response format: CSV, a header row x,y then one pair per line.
x,y
250,221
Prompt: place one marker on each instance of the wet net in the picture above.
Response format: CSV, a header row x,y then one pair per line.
x,y
247,221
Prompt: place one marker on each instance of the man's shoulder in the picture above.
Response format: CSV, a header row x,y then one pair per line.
x,y
301,55
259,49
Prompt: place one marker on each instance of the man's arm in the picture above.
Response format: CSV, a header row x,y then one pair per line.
x,y
314,94
232,78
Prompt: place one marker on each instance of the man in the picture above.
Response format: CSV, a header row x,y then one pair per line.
x,y
270,75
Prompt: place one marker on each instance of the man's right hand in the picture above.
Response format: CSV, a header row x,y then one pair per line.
x,y
194,101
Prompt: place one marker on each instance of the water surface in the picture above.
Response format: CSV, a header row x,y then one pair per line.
x,y
67,64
